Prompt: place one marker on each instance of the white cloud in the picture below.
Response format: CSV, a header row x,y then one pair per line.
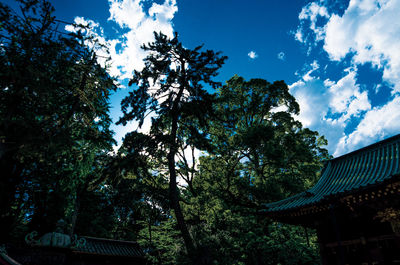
x,y
139,25
299,36
311,96
346,96
127,14
375,36
311,13
298,83
94,30
131,15
314,66
366,31
327,106
252,54
281,56
376,125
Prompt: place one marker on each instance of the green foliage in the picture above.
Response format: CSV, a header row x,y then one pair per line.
x,y
259,139
54,121
96,217
171,88
255,155
55,140
162,242
286,244
259,155
171,83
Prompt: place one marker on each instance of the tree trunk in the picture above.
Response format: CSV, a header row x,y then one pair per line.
x,y
174,203
75,213
173,188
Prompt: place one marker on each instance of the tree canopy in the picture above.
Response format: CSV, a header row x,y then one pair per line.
x,y
260,155
189,189
171,85
54,121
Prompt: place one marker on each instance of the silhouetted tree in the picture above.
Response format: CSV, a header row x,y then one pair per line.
x,y
171,87
54,120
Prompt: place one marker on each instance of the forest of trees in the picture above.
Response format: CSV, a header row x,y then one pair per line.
x,y
189,191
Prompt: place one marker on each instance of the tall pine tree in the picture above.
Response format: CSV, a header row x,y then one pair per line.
x,y
54,120
171,86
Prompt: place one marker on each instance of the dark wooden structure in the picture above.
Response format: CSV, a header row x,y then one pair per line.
x,y
95,251
7,260
354,207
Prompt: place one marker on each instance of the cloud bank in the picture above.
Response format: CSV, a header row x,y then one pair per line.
x,y
362,33
138,23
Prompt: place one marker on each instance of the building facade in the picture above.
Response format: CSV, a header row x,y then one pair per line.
x,y
354,207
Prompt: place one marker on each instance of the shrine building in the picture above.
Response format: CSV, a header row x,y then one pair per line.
x,y
354,207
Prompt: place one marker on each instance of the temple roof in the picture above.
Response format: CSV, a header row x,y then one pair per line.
x,y
350,173
6,260
109,247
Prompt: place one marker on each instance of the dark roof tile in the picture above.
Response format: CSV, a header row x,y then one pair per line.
x,y
110,247
362,168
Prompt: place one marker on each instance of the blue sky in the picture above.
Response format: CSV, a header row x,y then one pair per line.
x,y
341,59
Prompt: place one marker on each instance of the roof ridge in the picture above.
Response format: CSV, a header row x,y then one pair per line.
x,y
371,146
364,168
110,240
